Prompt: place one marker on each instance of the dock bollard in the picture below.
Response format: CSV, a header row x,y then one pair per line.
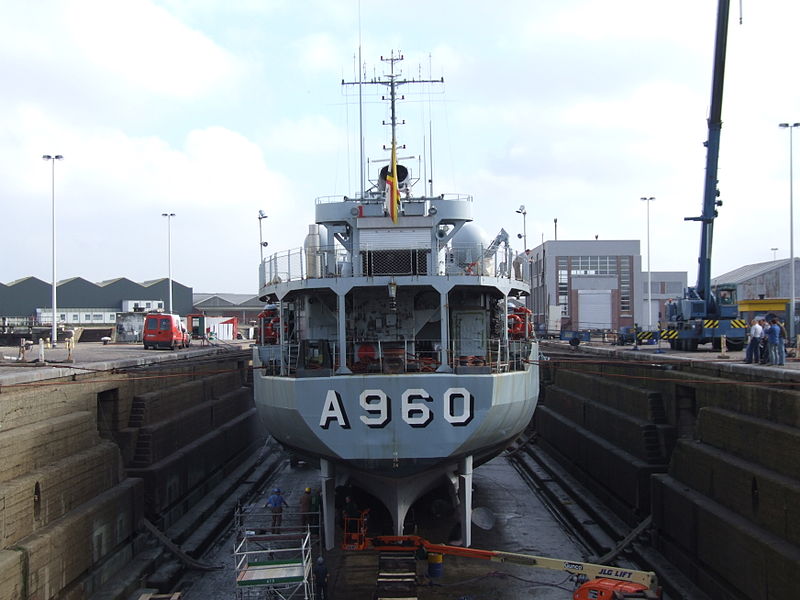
x,y
723,346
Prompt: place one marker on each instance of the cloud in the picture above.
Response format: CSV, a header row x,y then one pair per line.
x,y
146,49
318,53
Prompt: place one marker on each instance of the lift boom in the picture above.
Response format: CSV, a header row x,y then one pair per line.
x,y
589,573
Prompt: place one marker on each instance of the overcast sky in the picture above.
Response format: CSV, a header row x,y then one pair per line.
x,y
213,110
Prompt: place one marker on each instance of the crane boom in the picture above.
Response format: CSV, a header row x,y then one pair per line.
x,y
703,288
701,317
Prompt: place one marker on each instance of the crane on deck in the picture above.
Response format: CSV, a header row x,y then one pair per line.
x,y
700,316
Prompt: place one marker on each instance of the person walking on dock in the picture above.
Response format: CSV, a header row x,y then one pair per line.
x,y
275,503
752,353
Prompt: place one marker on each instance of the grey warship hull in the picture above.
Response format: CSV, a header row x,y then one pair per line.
x,y
396,348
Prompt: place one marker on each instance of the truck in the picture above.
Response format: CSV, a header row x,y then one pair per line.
x,y
700,316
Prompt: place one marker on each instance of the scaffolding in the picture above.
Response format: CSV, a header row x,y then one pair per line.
x,y
274,562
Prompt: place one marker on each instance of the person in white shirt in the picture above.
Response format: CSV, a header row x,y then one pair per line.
x,y
752,353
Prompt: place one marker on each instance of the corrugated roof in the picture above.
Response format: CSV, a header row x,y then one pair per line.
x,y
150,282
21,279
748,272
227,299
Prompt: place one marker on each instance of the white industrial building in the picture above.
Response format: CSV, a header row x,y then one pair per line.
x,y
596,285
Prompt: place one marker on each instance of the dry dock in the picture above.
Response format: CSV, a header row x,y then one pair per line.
x,y
95,442
705,446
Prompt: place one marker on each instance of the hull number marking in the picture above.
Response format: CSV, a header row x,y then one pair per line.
x,y
417,408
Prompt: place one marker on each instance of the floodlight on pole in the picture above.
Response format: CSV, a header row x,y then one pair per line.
x,y
169,254
261,216
521,210
649,274
792,329
53,158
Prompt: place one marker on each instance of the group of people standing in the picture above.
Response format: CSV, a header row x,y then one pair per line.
x,y
767,345
309,505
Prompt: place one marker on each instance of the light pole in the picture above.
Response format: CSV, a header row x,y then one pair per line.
x,y
649,274
774,253
521,210
53,158
169,254
261,244
791,127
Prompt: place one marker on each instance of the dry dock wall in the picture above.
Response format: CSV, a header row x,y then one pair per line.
x,y
725,498
71,502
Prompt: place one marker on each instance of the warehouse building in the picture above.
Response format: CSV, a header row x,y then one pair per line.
x,y
80,302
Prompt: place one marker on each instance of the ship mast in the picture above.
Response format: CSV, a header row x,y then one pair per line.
x,y
393,97
392,81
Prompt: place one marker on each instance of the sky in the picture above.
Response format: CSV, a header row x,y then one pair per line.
x,y
214,110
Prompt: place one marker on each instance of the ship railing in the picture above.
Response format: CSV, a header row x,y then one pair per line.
x,y
478,260
374,196
308,359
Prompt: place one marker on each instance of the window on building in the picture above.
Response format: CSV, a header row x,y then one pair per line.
x,y
76,318
87,317
657,287
593,265
674,287
97,317
625,286
562,274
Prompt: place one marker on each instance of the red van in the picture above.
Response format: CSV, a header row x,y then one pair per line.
x,y
164,331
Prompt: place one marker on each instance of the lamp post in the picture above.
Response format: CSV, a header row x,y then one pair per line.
x,y
774,253
649,274
790,127
53,158
261,244
169,254
521,210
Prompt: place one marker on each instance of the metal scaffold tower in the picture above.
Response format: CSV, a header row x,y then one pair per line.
x,y
274,563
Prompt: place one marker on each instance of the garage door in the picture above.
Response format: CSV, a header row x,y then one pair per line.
x,y
594,309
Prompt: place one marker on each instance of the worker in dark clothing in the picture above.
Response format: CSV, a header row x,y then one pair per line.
x,y
351,512
315,506
275,503
305,507
321,579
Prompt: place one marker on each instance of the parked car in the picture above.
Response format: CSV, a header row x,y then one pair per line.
x,y
164,330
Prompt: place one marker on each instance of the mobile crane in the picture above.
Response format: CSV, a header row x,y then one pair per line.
x,y
595,582
700,317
